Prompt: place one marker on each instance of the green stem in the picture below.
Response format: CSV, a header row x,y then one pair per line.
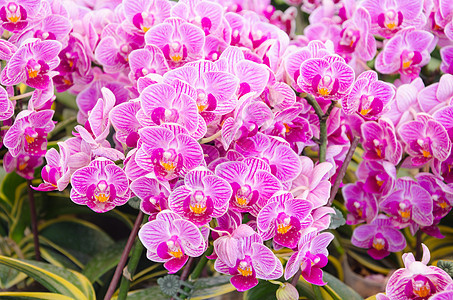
x,y
131,267
322,125
317,291
198,268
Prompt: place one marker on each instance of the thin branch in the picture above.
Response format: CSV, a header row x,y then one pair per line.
x,y
211,138
18,97
343,169
34,220
418,245
124,256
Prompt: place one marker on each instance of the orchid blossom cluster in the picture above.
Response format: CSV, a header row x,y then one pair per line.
x,y
198,109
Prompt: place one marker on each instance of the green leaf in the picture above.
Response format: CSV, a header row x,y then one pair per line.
x,y
8,188
55,279
103,262
79,237
263,291
153,292
33,295
340,288
20,217
206,288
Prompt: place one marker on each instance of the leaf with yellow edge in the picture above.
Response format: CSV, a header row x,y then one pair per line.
x,y
209,287
55,279
33,295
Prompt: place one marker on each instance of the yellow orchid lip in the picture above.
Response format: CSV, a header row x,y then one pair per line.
x,y
33,73
14,18
177,254
246,271
323,91
282,228
29,139
102,197
241,201
198,209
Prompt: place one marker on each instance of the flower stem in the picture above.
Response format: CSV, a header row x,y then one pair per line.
x,y
343,170
34,220
21,96
418,245
211,138
131,267
296,277
322,125
124,256
198,268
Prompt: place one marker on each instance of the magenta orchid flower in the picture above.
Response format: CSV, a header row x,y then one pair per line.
x,y
405,106
442,197
179,40
101,186
215,88
380,237
417,280
312,182
60,167
362,206
282,218
389,17
23,164
32,64
16,15
310,257
247,119
314,49
171,239
6,105
75,66
161,103
426,139
168,153
251,260
328,77
144,14
406,53
378,176
380,141
355,37
29,132
115,46
148,60
369,96
153,193
206,15
202,197
124,120
409,205
446,54
252,184
436,95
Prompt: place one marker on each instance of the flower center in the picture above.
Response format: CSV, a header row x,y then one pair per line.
x,y
198,203
174,249
243,195
13,12
378,243
421,289
404,211
102,192
285,226
245,269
